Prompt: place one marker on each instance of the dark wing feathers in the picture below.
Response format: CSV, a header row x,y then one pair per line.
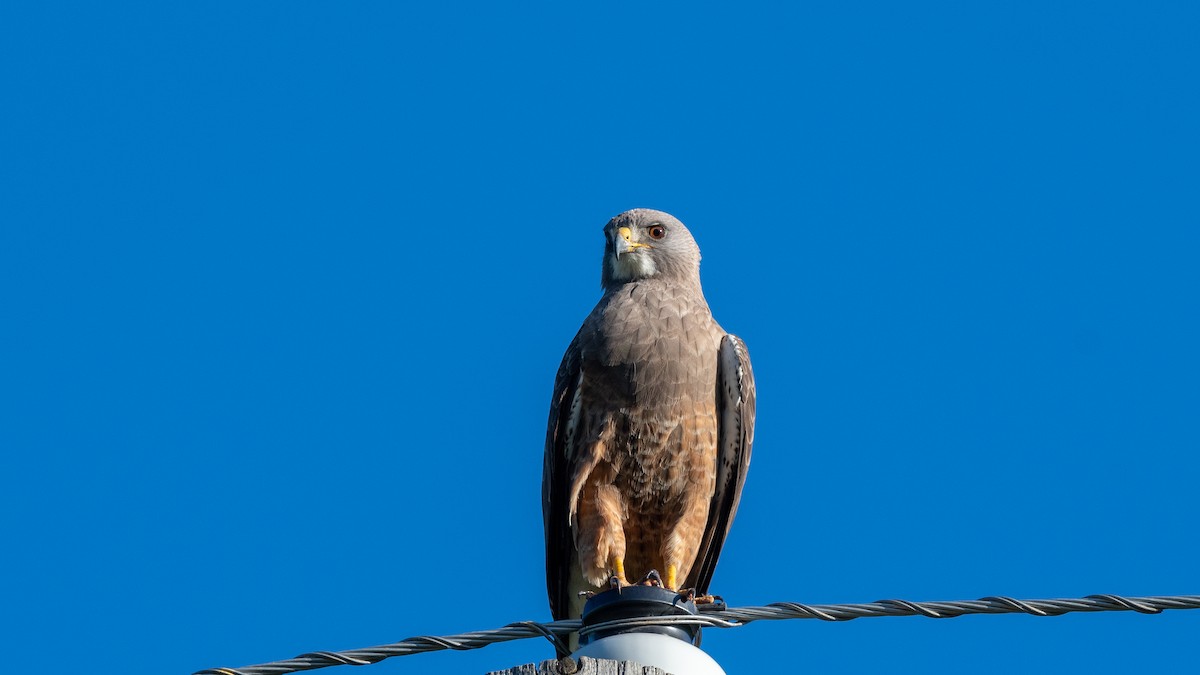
x,y
735,435
556,484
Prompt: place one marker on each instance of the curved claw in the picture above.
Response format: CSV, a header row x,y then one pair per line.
x,y
652,578
614,582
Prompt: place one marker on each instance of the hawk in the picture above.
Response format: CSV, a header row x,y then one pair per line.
x,y
650,427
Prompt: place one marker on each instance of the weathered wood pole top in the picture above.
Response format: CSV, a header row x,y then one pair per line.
x,y
586,665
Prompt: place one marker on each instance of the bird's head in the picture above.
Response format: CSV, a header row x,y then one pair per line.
x,y
644,243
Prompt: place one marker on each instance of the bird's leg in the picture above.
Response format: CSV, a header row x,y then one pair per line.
x,y
600,538
681,537
617,580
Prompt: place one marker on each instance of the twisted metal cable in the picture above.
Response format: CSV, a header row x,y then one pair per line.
x,y
727,618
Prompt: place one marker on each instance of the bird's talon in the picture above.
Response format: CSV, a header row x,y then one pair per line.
x,y
652,578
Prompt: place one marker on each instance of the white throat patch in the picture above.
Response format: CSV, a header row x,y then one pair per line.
x,y
633,265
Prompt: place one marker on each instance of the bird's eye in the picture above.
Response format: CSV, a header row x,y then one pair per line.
x,y
657,231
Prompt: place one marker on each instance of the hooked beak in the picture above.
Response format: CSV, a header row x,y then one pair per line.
x,y
624,242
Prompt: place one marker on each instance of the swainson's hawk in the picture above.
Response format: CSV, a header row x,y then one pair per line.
x,y
650,425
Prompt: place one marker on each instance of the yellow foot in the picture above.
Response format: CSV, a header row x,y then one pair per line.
x,y
672,571
617,580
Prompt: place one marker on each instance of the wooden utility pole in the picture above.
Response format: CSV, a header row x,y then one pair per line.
x,y
584,666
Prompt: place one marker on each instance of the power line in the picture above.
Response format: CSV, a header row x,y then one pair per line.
x,y
724,618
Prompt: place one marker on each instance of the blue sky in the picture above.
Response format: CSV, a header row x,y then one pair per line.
x,y
286,284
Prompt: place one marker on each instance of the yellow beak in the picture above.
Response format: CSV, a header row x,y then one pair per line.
x,y
625,242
